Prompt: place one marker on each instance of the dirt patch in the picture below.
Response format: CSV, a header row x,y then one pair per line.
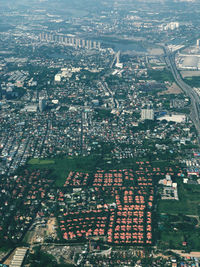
x,y
161,255
173,89
42,231
38,235
51,225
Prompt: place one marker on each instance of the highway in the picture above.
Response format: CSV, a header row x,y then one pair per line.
x,y
188,90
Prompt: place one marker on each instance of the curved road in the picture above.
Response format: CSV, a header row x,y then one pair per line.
x,y
192,94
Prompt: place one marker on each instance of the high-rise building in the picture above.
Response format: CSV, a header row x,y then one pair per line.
x,y
99,45
87,44
147,114
83,43
76,43
90,44
42,104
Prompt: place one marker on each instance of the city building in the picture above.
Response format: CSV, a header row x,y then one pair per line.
x,y
57,78
42,104
18,257
147,114
30,108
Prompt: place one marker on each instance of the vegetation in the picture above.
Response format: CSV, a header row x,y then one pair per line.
x,y
99,159
179,227
145,125
188,203
161,76
40,259
178,232
113,80
182,110
193,81
62,166
103,114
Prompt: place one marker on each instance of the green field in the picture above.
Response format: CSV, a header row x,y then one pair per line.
x,y
175,227
171,239
161,76
193,81
174,230
188,203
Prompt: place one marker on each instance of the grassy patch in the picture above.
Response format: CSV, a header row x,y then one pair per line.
x,y
161,76
102,114
193,81
174,230
172,239
188,203
4,249
175,227
28,236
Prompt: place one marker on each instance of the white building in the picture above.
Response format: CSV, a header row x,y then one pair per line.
x,y
57,78
171,26
30,108
147,114
18,257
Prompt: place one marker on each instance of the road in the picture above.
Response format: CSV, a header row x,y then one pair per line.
x,y
188,90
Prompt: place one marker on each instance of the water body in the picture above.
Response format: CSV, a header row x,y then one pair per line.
x,y
126,47
123,45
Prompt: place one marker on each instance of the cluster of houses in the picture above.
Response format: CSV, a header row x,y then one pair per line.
x,y
120,207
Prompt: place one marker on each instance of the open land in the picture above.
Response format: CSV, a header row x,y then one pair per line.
x,y
186,73
173,89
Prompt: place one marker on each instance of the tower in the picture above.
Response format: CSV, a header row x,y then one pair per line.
x,y
99,45
42,104
90,44
83,43
87,44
